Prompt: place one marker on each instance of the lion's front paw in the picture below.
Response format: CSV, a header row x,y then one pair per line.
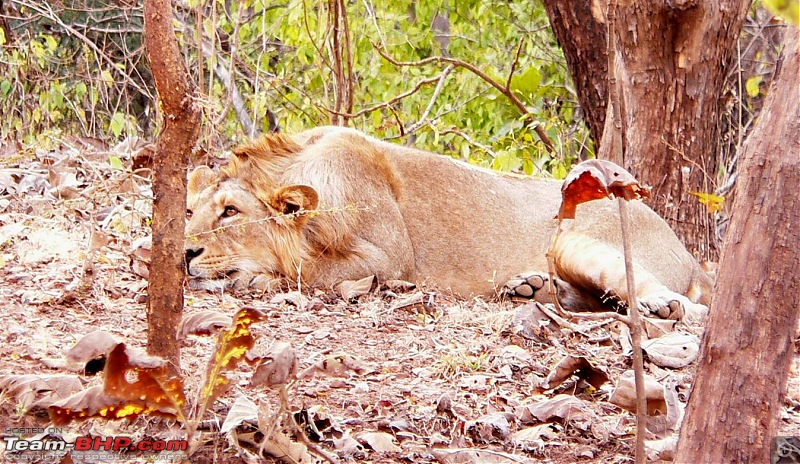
x,y
671,305
243,281
532,285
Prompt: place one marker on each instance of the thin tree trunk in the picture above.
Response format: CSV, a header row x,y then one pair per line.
x,y
181,128
747,347
672,62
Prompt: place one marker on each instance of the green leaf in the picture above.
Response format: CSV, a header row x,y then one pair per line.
x,y
117,124
506,161
5,86
528,82
116,163
752,86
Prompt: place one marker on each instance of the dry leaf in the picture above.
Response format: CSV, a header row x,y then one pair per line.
x,y
232,345
284,448
92,402
31,392
575,365
352,289
595,179
243,409
675,350
624,395
379,441
533,438
474,456
203,323
144,380
297,299
335,365
277,367
490,428
89,354
560,407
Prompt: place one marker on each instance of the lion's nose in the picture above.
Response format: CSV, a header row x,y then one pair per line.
x,y
192,253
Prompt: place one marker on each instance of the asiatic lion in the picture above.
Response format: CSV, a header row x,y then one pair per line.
x,y
334,204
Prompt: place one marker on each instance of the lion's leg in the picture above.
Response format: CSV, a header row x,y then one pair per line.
x,y
600,269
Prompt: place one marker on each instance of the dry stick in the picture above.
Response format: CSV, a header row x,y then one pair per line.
x,y
475,70
284,395
633,305
636,335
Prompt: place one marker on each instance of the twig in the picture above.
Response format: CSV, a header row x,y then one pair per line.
x,y
388,103
299,431
515,62
438,90
471,141
485,77
51,15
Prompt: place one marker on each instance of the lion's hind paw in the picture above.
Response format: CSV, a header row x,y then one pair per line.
x,y
670,305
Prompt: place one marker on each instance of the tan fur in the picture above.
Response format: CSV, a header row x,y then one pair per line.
x,y
400,213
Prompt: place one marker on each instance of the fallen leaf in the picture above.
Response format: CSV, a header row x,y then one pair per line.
x,y
352,289
490,428
203,323
675,350
32,392
534,438
89,354
575,365
335,365
624,394
379,441
243,409
277,367
560,407
297,299
474,456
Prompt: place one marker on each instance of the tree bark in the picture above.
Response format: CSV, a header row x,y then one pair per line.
x,y
181,119
580,29
672,62
747,347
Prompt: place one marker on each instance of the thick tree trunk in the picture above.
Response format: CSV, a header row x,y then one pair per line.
x,y
672,58
580,29
181,128
747,347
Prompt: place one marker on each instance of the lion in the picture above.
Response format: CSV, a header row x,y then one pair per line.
x,y
333,204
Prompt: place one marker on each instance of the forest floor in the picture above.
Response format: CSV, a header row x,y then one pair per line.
x,y
426,377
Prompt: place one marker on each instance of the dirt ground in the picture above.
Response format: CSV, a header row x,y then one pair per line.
x,y
426,377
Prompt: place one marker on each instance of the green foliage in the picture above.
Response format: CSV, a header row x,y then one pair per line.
x,y
282,65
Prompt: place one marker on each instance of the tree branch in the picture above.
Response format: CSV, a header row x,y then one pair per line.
x,y
485,77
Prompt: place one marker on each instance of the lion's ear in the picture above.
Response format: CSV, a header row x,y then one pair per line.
x,y
200,178
294,198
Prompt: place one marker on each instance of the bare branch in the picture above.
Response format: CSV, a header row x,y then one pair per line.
x,y
515,63
471,141
438,90
387,103
485,77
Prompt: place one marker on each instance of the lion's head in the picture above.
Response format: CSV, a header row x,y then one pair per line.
x,y
241,223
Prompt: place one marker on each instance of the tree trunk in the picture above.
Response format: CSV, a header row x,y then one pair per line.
x,y
580,29
747,346
181,128
672,62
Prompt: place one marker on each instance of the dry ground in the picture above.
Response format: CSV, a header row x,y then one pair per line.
x,y
442,379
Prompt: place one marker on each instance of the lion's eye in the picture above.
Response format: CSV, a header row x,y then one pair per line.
x,y
189,214
230,211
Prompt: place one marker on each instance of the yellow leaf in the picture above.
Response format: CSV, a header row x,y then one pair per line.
x,y
713,202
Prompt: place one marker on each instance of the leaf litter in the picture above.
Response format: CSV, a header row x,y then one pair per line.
x,y
372,372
